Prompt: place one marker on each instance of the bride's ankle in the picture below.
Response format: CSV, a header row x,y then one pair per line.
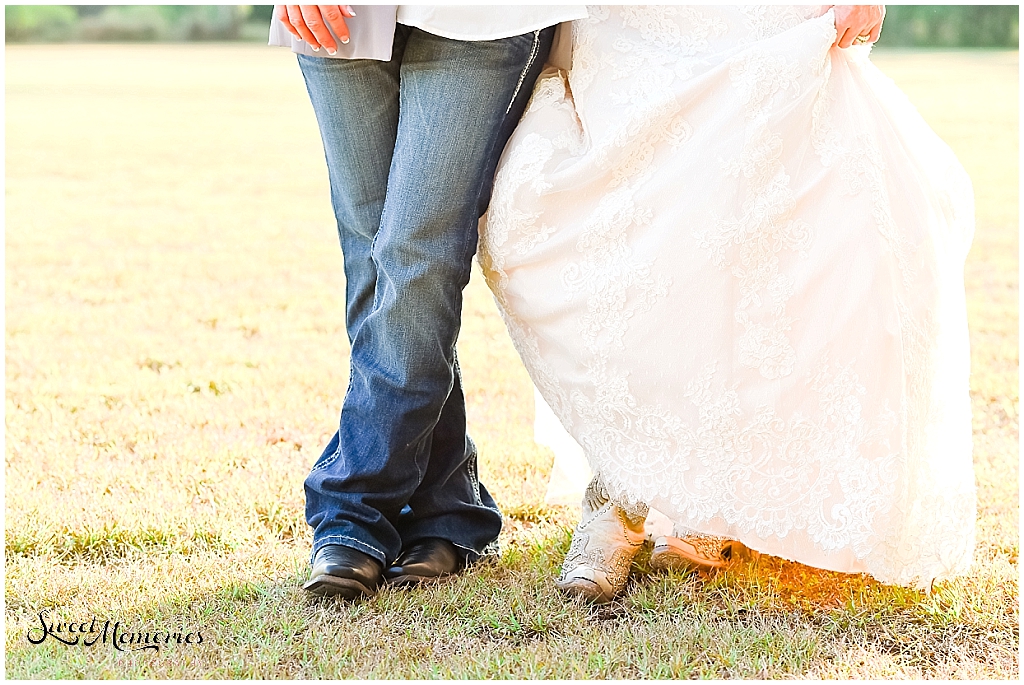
x,y
596,497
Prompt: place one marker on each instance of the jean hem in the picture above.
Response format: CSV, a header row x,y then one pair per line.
x,y
347,541
491,549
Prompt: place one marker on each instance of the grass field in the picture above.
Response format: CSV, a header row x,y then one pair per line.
x,y
175,360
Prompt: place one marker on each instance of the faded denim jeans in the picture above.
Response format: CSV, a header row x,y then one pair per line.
x,y
411,148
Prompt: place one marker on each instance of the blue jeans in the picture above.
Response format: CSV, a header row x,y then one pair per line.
x,y
411,148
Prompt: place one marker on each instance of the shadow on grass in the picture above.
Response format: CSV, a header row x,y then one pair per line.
x,y
763,618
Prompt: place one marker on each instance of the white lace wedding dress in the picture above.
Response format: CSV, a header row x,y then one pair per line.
x,y
731,259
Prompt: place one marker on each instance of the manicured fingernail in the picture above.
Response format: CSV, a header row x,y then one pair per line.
x,y
351,12
316,49
344,41
331,52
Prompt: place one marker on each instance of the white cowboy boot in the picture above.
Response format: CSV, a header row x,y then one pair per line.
x,y
687,550
603,547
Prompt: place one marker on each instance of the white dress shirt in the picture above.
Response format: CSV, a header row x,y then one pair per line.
x,y
372,30
486,22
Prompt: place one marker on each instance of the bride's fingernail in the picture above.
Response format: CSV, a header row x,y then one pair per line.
x,y
331,52
344,41
351,12
316,49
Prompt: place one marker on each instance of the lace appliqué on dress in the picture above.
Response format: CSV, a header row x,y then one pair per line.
x,y
749,244
779,439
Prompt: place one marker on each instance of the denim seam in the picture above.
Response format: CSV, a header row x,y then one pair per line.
x,y
350,538
330,460
475,480
474,477
526,70
472,466
334,457
492,548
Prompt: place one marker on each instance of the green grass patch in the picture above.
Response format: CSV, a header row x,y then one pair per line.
x,y
164,237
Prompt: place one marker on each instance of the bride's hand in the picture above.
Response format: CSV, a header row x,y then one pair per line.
x,y
853,21
310,22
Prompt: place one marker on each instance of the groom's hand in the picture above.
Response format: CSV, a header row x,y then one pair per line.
x,y
310,22
853,21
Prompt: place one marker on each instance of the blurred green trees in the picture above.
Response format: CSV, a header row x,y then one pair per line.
x,y
130,23
43,23
951,26
948,26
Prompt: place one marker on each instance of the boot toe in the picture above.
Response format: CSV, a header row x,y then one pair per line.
x,y
424,560
343,571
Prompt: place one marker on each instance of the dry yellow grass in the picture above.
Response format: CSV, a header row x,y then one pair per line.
x,y
175,359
